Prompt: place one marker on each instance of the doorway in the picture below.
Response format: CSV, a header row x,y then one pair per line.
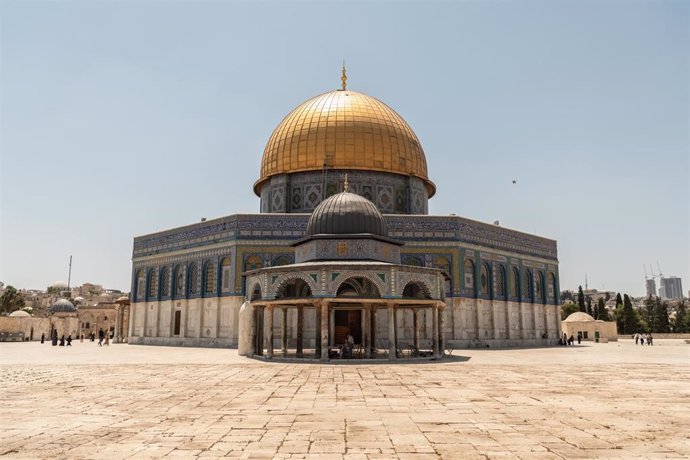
x,y
178,318
347,322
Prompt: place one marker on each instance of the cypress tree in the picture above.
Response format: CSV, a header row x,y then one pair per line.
x,y
661,310
629,322
581,299
680,324
590,312
650,313
601,312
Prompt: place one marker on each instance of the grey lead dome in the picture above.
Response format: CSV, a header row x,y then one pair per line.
x,y
62,306
346,213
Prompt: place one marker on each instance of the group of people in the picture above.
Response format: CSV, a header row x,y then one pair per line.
x,y
642,338
565,340
102,336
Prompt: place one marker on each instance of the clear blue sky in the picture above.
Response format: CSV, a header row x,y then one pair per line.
x,y
124,118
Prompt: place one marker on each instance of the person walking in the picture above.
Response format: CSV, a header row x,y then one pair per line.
x,y
43,337
637,338
101,335
62,340
107,339
650,339
69,340
579,338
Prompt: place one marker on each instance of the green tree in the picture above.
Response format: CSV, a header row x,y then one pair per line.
x,y
11,300
568,309
630,322
680,322
581,299
608,297
601,312
649,314
661,313
590,311
618,314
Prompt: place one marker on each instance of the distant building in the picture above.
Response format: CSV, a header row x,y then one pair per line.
x,y
671,288
651,287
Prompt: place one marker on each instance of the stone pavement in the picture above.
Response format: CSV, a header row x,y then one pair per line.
x,y
611,400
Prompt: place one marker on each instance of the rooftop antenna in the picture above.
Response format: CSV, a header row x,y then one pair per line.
x,y
69,276
343,78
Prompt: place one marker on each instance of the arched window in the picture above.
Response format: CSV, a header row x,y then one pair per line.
x,y
552,286
485,279
179,281
540,288
153,284
252,263
501,282
193,279
527,291
256,292
165,282
515,283
225,274
469,274
140,287
210,278
282,260
412,261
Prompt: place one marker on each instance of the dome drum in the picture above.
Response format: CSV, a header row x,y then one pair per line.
x,y
301,191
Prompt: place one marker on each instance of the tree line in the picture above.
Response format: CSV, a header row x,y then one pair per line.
x,y
654,317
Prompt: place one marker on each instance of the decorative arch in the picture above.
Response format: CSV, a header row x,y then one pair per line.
x,y
209,278
540,291
165,282
139,284
500,282
282,260
293,288
527,285
193,279
470,282
358,286
255,292
253,262
178,281
485,279
152,284
412,261
225,266
334,285
515,282
416,290
286,278
552,287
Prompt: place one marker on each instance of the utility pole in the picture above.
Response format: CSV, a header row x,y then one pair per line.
x,y
69,276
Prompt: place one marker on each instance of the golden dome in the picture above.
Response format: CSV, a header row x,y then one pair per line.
x,y
346,130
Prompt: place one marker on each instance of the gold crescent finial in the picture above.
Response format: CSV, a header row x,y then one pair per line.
x,y
343,78
346,184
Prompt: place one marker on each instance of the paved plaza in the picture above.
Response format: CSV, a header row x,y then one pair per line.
x,y
614,400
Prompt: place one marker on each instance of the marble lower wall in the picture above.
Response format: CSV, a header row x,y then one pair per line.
x,y
467,323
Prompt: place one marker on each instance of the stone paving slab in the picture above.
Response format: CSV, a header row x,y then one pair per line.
x,y
613,400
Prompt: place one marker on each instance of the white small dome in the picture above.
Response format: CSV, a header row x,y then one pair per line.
x,y
20,313
79,299
579,316
59,284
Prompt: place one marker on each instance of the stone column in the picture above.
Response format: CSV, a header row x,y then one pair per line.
x,y
415,325
476,319
146,319
324,330
283,332
372,329
300,331
534,321
317,330
366,336
200,329
507,319
521,321
434,314
118,325
269,345
494,329
391,332
441,327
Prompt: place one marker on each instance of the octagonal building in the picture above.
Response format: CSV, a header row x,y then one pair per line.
x,y
485,284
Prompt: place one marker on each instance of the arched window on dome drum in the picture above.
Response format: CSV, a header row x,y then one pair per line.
x,y
485,280
165,282
210,278
179,281
225,274
515,282
153,284
540,288
469,275
527,291
412,261
140,287
253,262
193,279
281,260
552,286
500,282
